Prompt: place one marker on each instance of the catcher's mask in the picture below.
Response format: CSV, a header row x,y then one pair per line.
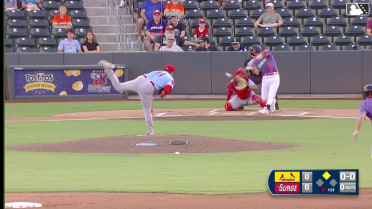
x,y
240,83
240,72
367,91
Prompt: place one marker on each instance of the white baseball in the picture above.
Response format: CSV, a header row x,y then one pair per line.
x,y
228,75
177,153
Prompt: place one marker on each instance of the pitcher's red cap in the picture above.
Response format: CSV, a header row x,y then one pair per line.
x,y
169,68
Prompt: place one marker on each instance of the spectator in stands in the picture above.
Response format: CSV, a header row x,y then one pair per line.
x,y
174,7
10,5
162,40
236,46
146,14
180,32
369,27
69,45
205,45
170,46
62,19
154,28
31,5
90,44
201,31
270,19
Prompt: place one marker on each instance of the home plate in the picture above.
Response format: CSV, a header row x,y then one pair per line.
x,y
23,205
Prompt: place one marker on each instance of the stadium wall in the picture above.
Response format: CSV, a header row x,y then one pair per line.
x,y
302,72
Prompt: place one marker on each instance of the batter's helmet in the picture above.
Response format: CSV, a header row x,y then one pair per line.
x,y
170,68
367,90
256,48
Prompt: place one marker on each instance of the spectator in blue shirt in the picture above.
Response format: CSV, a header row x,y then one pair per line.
x,y
147,9
236,46
69,45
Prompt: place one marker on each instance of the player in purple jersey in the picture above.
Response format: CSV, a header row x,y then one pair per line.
x,y
263,61
365,109
144,85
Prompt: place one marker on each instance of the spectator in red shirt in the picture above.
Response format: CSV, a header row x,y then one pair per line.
x,y
201,31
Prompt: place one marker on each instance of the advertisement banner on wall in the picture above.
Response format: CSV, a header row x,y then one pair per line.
x,y
46,82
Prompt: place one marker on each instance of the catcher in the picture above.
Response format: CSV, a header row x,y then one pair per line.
x,y
244,89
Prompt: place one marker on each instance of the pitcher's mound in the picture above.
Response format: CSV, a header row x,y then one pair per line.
x,y
134,144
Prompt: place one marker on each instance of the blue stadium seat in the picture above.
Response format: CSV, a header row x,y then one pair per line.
x,y
255,14
194,14
355,31
12,14
37,14
229,5
315,22
225,41
365,40
304,13
359,20
244,22
318,5
215,14
16,32
77,13
275,40
40,32
236,14
24,42
295,5
303,47
190,5
73,4
40,23
288,31
333,31
281,48
296,40
328,47
81,32
320,40
278,4
209,5
343,40
16,23
49,5
284,13
46,41
58,33
25,49
188,48
47,49
223,31
309,32
250,40
350,46
80,22
244,31
291,21
252,5
222,22
328,13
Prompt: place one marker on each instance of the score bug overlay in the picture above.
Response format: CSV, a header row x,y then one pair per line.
x,y
299,182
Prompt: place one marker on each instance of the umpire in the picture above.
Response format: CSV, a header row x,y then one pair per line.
x,y
257,79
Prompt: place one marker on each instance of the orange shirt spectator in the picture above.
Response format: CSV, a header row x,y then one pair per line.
x,y
62,19
174,7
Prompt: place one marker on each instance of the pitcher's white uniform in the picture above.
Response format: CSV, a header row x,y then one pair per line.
x,y
145,85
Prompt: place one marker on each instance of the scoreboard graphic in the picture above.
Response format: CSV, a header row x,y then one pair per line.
x,y
300,182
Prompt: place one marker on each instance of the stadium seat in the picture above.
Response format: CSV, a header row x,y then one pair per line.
x,y
46,41
244,31
221,22
265,32
315,22
291,21
355,31
39,23
24,42
49,5
188,48
209,5
24,49
40,32
16,23
250,40
80,22
338,21
303,47
215,14
333,31
37,14
318,5
47,49
350,46
81,32
8,49
8,42
359,20
229,5
255,14
295,5
58,33
244,22
304,13
236,14
194,14
288,31
284,13
223,31
77,13
328,13
12,14
225,42
275,40
296,41
343,40
278,4
319,40
190,5
282,48
16,32
365,40
328,47
73,4
252,5
310,31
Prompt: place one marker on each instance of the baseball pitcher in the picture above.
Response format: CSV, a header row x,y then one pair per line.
x,y
244,89
145,86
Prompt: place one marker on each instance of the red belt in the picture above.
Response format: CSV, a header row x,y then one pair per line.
x,y
267,74
149,80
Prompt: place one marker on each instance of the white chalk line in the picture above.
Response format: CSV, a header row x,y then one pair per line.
x,y
213,112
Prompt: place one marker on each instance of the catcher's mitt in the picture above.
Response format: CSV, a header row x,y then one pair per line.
x,y
240,83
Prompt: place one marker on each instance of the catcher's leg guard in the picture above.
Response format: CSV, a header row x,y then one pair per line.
x,y
257,98
228,107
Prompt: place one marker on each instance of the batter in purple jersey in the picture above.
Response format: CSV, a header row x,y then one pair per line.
x,y
365,109
144,85
264,62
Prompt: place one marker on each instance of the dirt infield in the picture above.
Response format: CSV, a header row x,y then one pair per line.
x,y
201,144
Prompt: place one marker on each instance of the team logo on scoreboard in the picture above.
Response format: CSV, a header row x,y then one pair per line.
x,y
287,187
287,176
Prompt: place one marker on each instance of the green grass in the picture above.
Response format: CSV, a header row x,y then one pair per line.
x,y
325,144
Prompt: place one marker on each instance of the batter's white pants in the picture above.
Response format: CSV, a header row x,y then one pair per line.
x,y
270,85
